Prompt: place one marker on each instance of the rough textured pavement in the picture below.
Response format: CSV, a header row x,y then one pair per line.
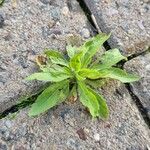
x,y
127,20
141,66
27,28
69,127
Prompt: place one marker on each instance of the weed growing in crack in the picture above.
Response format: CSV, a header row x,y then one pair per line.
x,y
78,75
1,2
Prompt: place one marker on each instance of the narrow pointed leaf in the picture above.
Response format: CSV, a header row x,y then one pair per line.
x,y
92,46
109,59
71,50
103,112
88,99
75,61
89,73
119,74
53,53
96,83
56,57
47,77
50,97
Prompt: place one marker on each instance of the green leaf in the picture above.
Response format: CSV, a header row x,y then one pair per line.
x,y
50,97
92,46
89,73
53,53
43,76
75,61
97,83
109,59
103,108
1,2
56,57
88,99
119,74
71,50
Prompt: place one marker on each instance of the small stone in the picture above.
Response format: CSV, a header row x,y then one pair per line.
x,y
3,146
55,13
22,61
86,130
1,21
85,33
140,24
8,123
130,31
51,130
72,144
96,137
65,11
81,134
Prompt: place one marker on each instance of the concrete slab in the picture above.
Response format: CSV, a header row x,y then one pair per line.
x,y
128,20
141,66
26,29
69,127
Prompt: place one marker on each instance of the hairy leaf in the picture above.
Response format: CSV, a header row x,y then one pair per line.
x,y
43,76
103,112
97,83
119,74
56,57
71,50
75,61
88,99
50,97
109,59
90,73
92,46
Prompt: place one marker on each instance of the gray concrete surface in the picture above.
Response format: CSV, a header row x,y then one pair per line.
x,y
127,20
141,66
26,29
70,127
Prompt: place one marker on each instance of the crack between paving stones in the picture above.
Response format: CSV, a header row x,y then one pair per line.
x,y
139,105
29,101
107,47
15,108
92,21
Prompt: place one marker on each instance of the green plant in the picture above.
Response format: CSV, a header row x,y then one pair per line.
x,y
1,2
78,74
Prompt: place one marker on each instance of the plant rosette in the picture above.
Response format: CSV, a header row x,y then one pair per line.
x,y
78,75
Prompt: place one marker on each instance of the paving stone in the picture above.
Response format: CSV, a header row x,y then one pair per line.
x,y
127,20
26,28
141,66
70,127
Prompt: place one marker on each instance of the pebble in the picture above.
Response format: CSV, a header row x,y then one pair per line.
x,y
85,33
3,146
72,144
65,11
55,13
1,21
96,137
8,123
22,62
